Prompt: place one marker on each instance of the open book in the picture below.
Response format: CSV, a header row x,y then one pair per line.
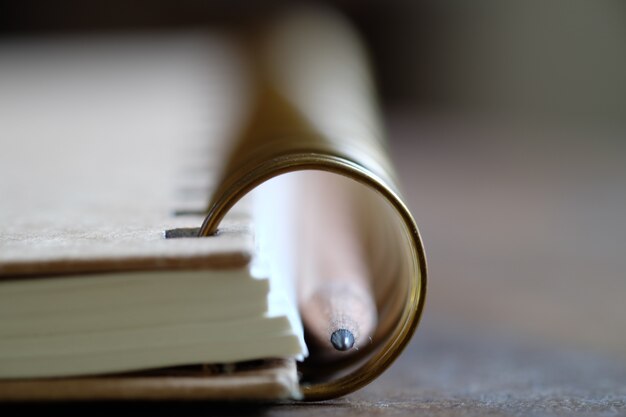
x,y
118,152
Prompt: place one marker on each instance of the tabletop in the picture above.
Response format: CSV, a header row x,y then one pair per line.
x,y
525,235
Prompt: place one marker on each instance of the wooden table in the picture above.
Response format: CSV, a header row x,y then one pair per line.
x,y
526,237
448,370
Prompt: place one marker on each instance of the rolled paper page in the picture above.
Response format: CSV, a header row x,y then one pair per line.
x,y
315,109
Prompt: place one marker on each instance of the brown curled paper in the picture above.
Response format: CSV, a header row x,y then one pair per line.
x,y
316,110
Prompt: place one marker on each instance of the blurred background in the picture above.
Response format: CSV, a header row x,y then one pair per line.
x,y
507,121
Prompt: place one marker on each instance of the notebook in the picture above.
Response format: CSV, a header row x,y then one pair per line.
x,y
116,154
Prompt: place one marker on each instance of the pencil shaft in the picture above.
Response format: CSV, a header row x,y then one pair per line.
x,y
334,290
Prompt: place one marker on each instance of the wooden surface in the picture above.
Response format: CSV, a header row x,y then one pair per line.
x,y
524,226
525,316
447,371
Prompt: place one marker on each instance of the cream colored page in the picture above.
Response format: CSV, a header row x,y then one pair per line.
x,y
102,139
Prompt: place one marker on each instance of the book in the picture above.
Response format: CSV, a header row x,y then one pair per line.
x,y
144,249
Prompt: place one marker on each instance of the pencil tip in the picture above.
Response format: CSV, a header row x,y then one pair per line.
x,y
342,339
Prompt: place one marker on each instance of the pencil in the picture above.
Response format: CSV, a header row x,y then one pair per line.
x,y
334,290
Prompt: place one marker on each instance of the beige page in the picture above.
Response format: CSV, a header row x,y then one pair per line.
x,y
106,143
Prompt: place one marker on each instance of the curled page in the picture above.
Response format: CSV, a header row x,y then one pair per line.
x,y
315,109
